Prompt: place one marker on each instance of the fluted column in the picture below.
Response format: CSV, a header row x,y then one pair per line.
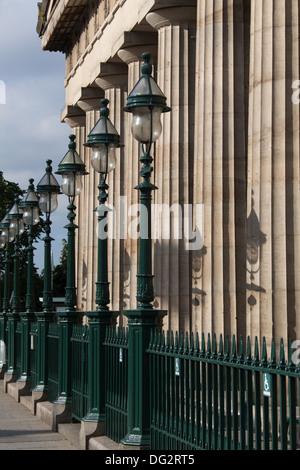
x,y
273,243
132,57
220,161
115,88
173,162
88,202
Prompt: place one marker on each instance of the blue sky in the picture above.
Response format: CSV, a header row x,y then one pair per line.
x,y
30,127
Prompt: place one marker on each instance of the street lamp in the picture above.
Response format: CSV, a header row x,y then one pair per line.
x,y
16,226
30,208
7,236
71,168
48,190
103,140
146,103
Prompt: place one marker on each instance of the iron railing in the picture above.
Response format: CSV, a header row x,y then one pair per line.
x,y
209,397
79,341
116,382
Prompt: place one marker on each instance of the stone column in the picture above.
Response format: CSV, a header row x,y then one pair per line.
x,y
219,169
90,103
115,88
75,118
273,243
173,162
132,57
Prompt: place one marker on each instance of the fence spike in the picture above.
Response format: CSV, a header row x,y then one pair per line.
x,y
208,350
176,340
233,349
263,360
192,343
163,340
203,344
227,348
282,363
248,350
273,353
241,351
186,345
221,345
214,346
197,344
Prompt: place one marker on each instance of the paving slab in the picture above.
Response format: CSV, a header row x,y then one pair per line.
x,y
21,430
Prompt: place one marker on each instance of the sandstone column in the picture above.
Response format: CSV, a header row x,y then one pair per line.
x,y
220,161
273,243
173,162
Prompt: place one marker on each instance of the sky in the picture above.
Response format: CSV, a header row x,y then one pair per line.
x,y
32,97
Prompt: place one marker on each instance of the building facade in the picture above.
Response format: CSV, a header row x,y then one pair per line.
x,y
226,238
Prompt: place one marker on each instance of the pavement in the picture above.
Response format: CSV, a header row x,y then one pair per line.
x,y
21,430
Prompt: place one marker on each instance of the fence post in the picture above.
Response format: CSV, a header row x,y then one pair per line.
x,y
140,324
94,421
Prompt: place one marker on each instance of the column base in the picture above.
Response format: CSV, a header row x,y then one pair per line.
x,y
38,394
90,429
135,442
9,377
61,413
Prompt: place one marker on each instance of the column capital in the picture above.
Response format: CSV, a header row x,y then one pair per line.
x,y
90,99
112,75
135,38
134,53
73,116
172,16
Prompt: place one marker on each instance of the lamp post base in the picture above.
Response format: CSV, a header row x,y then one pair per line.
x,y
140,324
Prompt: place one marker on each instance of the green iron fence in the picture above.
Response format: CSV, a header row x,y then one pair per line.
x,y
53,351
116,382
80,341
209,397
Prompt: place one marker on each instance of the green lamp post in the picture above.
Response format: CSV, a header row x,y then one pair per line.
x,y
48,190
7,236
103,139
16,225
71,168
30,207
146,103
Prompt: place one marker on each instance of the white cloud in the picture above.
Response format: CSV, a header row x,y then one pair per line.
x,y
30,127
